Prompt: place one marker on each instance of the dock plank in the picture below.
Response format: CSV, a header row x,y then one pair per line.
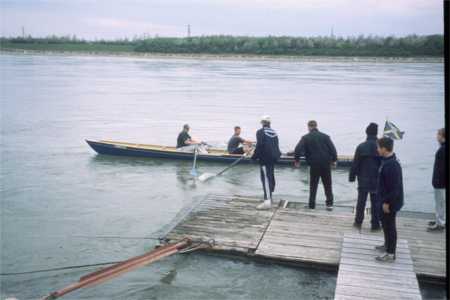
x,y
233,222
300,235
372,279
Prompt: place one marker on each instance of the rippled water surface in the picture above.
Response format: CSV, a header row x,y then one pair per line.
x,y
58,195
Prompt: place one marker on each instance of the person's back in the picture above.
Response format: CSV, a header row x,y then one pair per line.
x,y
267,152
267,146
318,148
366,164
183,137
320,154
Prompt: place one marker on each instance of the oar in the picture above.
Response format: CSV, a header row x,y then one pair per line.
x,y
194,170
206,176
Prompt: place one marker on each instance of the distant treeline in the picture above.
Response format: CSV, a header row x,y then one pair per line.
x,y
413,45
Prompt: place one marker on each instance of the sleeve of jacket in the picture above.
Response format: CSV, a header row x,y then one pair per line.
x,y
258,147
393,185
439,175
355,166
332,149
299,149
277,145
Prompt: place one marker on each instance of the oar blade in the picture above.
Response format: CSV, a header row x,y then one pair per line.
x,y
194,172
205,176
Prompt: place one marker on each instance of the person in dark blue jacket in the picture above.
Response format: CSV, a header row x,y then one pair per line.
x,y
320,154
440,184
267,152
390,193
365,167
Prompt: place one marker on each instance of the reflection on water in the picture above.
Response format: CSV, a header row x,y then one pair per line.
x,y
55,188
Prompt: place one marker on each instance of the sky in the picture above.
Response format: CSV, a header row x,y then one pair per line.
x,y
135,18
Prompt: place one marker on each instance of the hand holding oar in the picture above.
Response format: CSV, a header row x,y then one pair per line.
x,y
206,176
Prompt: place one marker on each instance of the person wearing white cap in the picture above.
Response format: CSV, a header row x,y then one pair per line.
x,y
267,152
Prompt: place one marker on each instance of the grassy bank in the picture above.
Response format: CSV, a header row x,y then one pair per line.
x,y
410,46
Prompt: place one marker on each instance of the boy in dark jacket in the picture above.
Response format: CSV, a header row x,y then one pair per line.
x,y
320,154
365,166
267,152
439,183
390,193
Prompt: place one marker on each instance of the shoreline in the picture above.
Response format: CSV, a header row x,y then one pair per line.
x,y
153,55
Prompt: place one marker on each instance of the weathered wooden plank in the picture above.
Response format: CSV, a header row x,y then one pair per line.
x,y
310,236
361,275
374,294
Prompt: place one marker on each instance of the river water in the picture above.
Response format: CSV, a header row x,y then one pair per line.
x,y
61,204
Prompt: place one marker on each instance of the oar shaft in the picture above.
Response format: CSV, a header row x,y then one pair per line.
x,y
232,165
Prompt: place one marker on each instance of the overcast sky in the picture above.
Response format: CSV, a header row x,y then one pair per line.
x,y
118,19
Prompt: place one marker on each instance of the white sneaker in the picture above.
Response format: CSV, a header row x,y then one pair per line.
x,y
267,204
386,257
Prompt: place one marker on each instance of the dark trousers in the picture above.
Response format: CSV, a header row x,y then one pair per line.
x,y
268,179
375,208
390,231
238,150
315,173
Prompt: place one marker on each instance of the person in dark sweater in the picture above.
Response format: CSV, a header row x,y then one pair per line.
x,y
439,184
267,152
365,167
320,154
186,144
235,142
390,193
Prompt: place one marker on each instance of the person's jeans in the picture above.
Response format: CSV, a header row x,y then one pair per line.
x,y
390,231
268,180
375,208
315,173
439,199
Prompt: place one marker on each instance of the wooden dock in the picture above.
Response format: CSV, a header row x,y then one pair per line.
x,y
292,234
361,277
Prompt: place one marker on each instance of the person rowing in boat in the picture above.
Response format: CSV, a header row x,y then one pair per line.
x,y
238,145
186,144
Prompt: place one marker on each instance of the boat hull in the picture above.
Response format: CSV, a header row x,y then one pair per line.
x,y
136,150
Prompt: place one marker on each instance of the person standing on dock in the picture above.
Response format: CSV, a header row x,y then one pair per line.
x,y
234,144
390,193
365,166
320,154
267,152
439,184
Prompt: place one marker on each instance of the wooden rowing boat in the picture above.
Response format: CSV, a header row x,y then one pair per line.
x,y
158,151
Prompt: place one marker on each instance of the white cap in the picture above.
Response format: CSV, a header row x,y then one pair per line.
x,y
265,118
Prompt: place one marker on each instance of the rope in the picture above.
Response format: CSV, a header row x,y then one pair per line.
x,y
119,237
199,245
60,268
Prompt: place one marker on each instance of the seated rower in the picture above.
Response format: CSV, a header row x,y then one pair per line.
x,y
234,144
186,144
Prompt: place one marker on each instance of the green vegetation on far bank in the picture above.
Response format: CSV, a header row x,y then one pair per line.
x,y
409,46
